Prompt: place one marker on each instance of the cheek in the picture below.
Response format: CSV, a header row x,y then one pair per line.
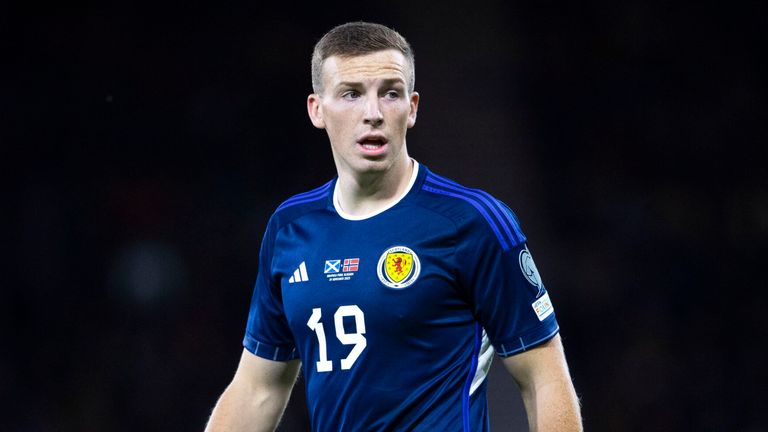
x,y
338,127
340,119
399,112
401,119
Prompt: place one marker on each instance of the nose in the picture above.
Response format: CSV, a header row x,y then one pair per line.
x,y
373,115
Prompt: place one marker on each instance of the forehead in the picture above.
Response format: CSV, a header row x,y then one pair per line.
x,y
389,64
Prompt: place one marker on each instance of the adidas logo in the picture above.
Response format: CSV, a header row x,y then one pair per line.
x,y
300,274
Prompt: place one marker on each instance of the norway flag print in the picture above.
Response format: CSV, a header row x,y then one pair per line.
x,y
351,264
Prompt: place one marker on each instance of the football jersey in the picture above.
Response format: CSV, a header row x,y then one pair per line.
x,y
396,316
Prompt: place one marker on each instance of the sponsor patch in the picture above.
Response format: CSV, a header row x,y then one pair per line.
x,y
543,307
398,267
531,273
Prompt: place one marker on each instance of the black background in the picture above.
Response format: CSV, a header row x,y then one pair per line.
x,y
145,146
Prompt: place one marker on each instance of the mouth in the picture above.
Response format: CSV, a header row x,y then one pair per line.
x,y
372,144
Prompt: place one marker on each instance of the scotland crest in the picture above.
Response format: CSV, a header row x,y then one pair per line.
x,y
398,267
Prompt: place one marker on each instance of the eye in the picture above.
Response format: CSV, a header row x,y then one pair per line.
x,y
392,94
350,95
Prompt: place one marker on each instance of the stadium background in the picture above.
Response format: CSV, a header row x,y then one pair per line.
x,y
145,146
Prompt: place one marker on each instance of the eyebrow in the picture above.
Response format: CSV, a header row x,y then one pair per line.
x,y
385,81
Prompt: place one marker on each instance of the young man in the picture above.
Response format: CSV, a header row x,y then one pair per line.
x,y
390,286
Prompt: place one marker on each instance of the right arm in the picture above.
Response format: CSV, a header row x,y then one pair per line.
x,y
256,397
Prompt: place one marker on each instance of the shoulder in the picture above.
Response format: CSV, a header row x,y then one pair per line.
x,y
302,204
472,209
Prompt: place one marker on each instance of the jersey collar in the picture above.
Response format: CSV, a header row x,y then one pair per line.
x,y
348,216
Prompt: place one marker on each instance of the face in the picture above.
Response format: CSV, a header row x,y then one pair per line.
x,y
366,110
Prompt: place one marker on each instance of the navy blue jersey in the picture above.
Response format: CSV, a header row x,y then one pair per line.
x,y
396,316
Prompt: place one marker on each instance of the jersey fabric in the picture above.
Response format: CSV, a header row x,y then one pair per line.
x,y
396,316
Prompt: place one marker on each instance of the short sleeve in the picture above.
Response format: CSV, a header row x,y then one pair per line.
x,y
508,296
267,333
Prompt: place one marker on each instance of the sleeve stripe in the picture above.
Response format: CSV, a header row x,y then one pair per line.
x,y
268,351
478,198
506,352
305,197
490,201
499,236
515,225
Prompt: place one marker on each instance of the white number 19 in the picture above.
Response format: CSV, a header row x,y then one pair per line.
x,y
357,338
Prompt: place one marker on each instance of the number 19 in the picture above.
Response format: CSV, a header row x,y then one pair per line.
x,y
357,339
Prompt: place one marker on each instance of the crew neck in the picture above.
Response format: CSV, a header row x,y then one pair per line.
x,y
347,216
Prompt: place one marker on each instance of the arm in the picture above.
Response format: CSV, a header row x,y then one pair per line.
x,y
545,384
256,397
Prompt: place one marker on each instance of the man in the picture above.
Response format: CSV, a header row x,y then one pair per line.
x,y
391,286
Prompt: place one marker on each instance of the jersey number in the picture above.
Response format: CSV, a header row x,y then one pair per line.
x,y
357,339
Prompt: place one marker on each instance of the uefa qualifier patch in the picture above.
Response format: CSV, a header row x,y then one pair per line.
x,y
531,273
398,267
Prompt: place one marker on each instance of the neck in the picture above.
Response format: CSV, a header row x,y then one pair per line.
x,y
370,193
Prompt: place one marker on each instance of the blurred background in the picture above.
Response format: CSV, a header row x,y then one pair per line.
x,y
145,147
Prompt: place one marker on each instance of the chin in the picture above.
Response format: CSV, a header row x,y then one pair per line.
x,y
373,166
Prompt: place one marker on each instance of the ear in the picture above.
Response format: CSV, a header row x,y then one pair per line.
x,y
315,111
414,109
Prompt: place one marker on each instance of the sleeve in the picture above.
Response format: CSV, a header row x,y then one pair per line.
x,y
508,297
267,333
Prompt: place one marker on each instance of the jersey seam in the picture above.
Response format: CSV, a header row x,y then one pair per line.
x,y
277,347
455,234
517,345
282,226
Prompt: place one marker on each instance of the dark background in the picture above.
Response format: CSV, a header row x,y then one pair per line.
x,y
145,146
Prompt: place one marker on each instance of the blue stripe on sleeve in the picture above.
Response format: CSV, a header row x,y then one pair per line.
x,y
512,221
267,351
487,199
306,197
475,204
507,349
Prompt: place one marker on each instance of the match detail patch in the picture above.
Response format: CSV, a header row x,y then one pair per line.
x,y
341,270
543,307
398,267
332,266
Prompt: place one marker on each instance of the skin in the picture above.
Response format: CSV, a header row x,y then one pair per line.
x,y
257,396
366,110
546,387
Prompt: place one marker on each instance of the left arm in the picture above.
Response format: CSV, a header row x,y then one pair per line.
x,y
546,387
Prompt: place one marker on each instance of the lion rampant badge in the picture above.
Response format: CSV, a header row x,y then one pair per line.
x,y
398,267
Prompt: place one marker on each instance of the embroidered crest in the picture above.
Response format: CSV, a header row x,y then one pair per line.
x,y
398,267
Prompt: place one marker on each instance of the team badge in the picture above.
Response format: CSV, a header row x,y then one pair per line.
x,y
398,267
530,271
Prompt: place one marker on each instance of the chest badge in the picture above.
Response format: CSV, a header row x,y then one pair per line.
x,y
398,267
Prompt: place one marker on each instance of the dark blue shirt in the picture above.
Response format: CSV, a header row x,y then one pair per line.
x,y
393,315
